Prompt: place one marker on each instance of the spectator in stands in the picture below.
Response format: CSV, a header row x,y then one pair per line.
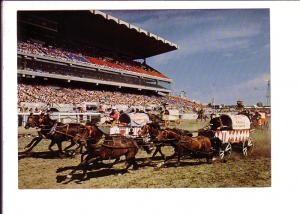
x,y
49,94
71,54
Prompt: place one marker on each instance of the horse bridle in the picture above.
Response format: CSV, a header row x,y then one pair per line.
x,y
35,124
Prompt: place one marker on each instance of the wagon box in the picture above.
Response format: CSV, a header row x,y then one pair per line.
x,y
120,130
129,126
233,136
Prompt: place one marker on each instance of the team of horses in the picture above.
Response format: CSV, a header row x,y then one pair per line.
x,y
94,145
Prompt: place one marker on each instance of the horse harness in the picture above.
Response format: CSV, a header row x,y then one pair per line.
x,y
54,130
89,130
181,143
102,143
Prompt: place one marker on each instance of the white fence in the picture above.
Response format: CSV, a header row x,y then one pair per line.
x,y
64,117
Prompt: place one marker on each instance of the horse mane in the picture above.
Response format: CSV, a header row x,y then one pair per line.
x,y
48,120
176,135
155,126
154,118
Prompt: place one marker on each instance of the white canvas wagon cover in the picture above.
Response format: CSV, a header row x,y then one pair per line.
x,y
134,119
171,115
235,122
174,112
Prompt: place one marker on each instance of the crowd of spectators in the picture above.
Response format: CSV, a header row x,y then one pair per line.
x,y
83,56
65,70
58,95
32,93
180,103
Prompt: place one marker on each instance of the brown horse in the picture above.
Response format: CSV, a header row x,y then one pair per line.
x,y
195,146
33,121
153,130
108,148
55,131
155,119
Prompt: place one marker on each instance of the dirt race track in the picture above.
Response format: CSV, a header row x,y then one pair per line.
x,y
43,169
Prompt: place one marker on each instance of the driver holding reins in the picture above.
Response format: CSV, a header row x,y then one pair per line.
x,y
114,116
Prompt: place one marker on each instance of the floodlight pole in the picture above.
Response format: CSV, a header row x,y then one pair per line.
x,y
268,94
213,99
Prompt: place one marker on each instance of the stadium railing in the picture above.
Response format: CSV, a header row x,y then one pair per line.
x,y
65,117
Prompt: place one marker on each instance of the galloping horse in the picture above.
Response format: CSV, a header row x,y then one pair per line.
x,y
153,130
155,118
195,146
111,147
35,121
55,131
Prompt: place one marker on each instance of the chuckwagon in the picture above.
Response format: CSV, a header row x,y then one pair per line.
x,y
170,116
129,125
231,131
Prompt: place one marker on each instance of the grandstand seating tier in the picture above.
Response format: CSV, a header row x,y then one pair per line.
x,y
39,49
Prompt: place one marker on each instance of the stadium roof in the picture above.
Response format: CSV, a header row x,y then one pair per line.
x,y
100,30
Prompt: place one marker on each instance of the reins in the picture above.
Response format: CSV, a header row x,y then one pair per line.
x,y
181,143
54,127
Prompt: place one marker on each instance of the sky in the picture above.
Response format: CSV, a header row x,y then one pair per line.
x,y
223,54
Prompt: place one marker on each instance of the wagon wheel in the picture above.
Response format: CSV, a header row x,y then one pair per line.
x,y
247,147
225,151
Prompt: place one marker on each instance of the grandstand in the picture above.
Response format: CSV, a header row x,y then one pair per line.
x,y
69,57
